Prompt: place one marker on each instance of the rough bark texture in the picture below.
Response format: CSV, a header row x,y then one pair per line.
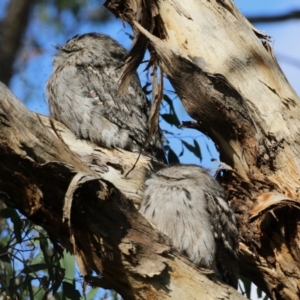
x,y
79,193
228,79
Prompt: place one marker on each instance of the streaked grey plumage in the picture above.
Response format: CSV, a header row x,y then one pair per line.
x,y
185,203
82,91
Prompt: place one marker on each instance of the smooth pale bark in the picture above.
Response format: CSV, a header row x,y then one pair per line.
x,y
79,193
228,79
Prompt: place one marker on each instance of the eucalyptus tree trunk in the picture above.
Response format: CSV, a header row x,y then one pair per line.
x,y
229,81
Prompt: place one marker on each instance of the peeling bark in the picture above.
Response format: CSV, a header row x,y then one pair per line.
x,y
229,81
79,194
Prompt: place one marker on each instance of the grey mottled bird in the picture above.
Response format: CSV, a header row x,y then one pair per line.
x,y
82,91
185,203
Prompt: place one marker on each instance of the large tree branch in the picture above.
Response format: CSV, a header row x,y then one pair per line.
x,y
12,28
230,82
69,187
293,15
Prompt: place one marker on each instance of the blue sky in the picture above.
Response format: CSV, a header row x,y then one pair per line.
x,y
266,7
